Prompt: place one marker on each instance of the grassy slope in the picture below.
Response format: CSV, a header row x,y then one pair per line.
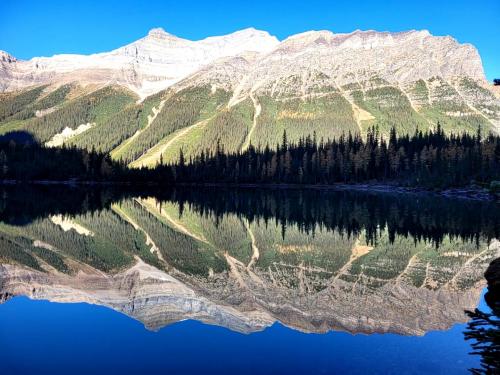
x,y
419,263
391,108
17,108
98,107
112,246
179,249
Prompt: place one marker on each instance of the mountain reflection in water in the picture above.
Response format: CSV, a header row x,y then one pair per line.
x,y
243,259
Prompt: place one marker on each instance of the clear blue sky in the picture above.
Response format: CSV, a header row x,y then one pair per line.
x,y
44,28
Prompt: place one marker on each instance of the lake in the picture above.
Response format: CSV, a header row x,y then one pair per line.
x,y
247,281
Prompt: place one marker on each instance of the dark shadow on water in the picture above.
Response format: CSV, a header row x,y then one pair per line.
x,y
22,204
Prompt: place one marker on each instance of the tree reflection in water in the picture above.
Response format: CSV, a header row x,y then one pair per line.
x,y
484,327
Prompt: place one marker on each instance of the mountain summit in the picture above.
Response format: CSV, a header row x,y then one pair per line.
x,y
159,33
145,101
146,66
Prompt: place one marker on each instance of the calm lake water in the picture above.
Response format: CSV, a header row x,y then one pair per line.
x,y
216,281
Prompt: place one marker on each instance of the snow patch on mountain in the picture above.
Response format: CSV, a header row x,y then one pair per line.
x,y
68,133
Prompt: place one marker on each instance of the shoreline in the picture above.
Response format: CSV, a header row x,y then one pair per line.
x,y
469,193
457,193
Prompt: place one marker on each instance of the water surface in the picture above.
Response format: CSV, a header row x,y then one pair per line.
x,y
241,281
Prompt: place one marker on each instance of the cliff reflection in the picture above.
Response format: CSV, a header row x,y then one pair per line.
x,y
313,260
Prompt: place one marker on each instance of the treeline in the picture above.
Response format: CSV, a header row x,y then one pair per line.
x,y
179,111
23,159
430,159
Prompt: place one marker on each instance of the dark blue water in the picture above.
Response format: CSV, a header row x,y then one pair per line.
x,y
39,337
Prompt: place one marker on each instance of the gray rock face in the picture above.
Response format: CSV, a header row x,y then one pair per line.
x,y
159,60
146,66
363,55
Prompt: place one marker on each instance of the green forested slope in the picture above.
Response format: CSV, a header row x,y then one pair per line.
x,y
196,118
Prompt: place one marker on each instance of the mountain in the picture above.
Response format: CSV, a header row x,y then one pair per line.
x,y
146,66
147,100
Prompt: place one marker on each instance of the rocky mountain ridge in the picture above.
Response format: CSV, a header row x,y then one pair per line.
x,y
159,60
146,66
163,93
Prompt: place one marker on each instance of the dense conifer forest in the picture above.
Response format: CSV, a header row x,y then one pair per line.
x,y
432,160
